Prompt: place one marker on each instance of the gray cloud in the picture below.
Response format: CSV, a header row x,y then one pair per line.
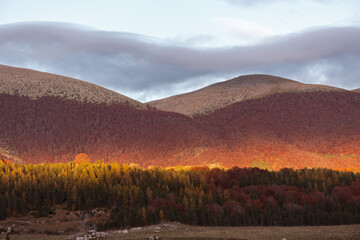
x,y
144,68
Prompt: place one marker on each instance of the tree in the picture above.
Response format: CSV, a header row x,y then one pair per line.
x,y
161,215
143,214
82,158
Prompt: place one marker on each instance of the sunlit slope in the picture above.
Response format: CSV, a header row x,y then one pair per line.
x,y
219,95
311,129
52,129
35,84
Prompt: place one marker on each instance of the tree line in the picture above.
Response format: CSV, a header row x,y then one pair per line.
x,y
196,195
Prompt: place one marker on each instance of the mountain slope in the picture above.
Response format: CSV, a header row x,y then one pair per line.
x,y
314,129
51,129
35,84
356,90
296,129
219,95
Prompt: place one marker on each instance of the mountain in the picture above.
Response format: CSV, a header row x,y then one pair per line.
x,y
51,129
289,129
356,90
35,84
219,95
307,129
51,118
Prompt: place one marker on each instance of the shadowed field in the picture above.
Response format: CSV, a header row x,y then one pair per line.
x,y
176,231
182,232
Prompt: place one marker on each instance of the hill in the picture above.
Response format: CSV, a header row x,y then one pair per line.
x,y
290,129
295,129
219,95
356,90
35,84
52,129
315,129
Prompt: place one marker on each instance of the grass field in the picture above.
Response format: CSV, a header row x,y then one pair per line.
x,y
69,225
176,231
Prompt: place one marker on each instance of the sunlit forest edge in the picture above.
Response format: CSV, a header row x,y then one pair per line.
x,y
210,196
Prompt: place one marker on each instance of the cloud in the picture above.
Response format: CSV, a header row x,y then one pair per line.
x,y
245,29
144,68
199,40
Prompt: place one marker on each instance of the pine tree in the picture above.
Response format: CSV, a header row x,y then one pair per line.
x,y
143,215
161,215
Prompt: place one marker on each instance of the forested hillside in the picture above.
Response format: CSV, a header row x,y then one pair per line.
x,y
297,130
314,129
51,129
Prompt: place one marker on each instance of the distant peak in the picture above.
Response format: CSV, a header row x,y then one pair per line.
x,y
254,79
242,88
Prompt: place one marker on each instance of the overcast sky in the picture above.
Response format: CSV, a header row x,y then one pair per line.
x,y
152,49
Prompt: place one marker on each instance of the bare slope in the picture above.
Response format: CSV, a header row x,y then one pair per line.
x,y
35,84
356,90
219,95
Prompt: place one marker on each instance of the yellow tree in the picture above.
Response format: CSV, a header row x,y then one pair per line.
x,y
82,158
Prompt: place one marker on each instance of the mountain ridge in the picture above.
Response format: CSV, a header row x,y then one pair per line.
x,y
284,129
222,94
36,84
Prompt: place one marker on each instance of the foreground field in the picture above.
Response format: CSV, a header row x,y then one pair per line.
x,y
176,231
69,225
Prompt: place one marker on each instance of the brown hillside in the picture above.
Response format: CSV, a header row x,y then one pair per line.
x,y
311,129
356,90
51,129
219,95
36,84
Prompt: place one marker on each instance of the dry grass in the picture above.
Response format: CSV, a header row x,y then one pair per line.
x,y
176,231
36,84
219,95
35,237
252,233
57,226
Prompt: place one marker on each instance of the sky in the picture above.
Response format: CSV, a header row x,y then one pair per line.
x,y
153,49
